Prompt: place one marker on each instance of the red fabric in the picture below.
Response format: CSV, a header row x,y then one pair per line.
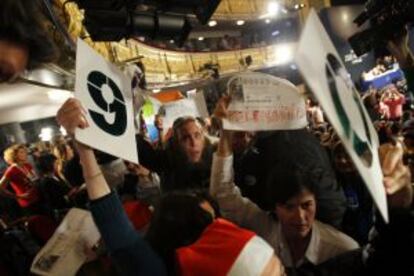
x,y
20,182
395,107
216,250
42,227
138,213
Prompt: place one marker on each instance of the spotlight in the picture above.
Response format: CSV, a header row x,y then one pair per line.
x,y
273,8
100,4
212,23
105,25
203,9
240,22
113,20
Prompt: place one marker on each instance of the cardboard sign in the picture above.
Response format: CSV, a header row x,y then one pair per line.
x,y
263,102
194,106
64,253
105,93
326,75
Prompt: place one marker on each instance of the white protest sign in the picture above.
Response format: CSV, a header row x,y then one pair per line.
x,y
64,253
326,75
264,102
194,106
105,92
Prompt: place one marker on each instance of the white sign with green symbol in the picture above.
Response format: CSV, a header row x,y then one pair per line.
x,y
326,75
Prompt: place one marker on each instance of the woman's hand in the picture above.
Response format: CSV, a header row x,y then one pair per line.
x,y
224,148
72,115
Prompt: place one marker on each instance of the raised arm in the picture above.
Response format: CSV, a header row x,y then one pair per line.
x,y
234,206
132,254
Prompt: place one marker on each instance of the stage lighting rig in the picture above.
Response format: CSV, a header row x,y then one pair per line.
x,y
113,20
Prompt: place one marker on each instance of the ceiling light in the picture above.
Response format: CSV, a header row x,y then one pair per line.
x,y
46,134
156,90
284,54
267,21
273,8
296,6
201,38
240,22
212,23
59,95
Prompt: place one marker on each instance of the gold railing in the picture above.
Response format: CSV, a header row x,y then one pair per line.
x,y
172,66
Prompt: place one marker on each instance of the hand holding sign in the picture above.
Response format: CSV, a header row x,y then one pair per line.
x,y
71,115
102,115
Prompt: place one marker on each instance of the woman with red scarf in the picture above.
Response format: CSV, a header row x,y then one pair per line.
x,y
21,176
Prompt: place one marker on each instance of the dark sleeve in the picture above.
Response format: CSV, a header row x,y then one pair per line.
x,y
73,172
152,159
349,263
132,255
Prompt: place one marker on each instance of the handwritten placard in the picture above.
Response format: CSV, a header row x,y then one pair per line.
x,y
263,102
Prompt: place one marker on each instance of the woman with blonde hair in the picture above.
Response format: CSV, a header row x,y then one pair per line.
x,y
22,178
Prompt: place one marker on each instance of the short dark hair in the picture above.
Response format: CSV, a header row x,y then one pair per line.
x,y
181,121
287,180
45,163
22,22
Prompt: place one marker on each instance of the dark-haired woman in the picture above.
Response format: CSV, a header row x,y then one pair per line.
x,y
55,190
296,236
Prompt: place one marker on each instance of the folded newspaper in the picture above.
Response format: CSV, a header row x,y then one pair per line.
x,y
64,253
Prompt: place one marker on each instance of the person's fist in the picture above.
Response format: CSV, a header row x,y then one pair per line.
x,y
72,115
220,112
396,174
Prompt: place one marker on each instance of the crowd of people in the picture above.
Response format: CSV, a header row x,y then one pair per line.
x,y
383,65
286,202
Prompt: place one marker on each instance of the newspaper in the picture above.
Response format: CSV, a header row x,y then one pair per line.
x,y
64,253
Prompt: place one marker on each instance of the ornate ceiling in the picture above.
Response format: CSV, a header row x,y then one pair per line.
x,y
172,66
